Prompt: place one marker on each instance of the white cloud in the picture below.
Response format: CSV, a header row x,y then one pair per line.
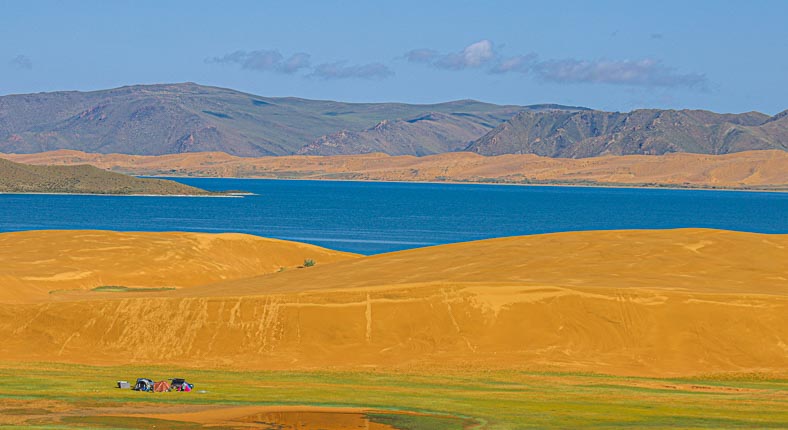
x,y
475,55
646,72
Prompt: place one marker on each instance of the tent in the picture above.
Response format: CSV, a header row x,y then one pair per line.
x,y
180,384
161,387
143,384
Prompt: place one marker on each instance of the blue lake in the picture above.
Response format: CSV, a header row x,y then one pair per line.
x,y
375,217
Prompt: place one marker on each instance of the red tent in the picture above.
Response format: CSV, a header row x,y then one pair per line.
x,y
161,387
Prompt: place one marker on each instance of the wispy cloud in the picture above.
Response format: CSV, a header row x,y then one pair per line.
x,y
264,60
295,63
421,55
22,62
342,70
519,63
271,60
647,72
475,55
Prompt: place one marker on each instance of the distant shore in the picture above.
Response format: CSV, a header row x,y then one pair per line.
x,y
765,170
574,185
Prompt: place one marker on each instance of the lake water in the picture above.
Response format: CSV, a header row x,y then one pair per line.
x,y
375,217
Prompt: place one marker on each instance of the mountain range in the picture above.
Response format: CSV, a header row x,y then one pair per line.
x,y
177,118
187,117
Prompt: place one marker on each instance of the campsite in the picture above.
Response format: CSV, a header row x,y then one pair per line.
x,y
162,386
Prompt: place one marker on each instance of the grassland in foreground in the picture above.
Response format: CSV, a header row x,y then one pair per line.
x,y
65,396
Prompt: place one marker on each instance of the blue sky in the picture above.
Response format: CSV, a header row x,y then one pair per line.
x,y
614,55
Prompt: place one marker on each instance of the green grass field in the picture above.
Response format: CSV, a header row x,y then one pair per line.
x,y
64,396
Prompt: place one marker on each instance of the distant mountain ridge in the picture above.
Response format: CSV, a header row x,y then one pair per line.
x,y
645,131
187,117
178,118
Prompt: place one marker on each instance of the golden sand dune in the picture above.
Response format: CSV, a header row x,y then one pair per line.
x,y
751,169
691,260
39,265
675,302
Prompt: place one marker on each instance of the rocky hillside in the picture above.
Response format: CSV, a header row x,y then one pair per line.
x,y
23,178
431,133
648,131
178,118
423,134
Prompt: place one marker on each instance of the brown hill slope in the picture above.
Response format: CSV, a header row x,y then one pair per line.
x,y
23,178
647,131
34,264
753,169
675,302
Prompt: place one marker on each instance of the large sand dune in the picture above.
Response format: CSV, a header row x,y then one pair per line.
x,y
43,265
751,169
675,302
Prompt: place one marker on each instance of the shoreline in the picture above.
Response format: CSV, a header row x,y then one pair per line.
x,y
577,185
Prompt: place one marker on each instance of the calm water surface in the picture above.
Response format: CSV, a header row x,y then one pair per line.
x,y
375,217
